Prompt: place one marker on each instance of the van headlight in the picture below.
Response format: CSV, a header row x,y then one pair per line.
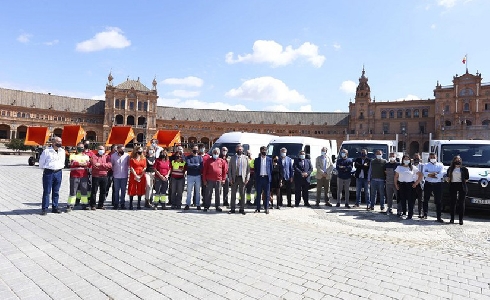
x,y
483,182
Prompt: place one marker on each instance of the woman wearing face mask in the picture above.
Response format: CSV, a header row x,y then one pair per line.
x,y
390,168
276,183
162,169
137,180
405,183
149,176
457,176
177,173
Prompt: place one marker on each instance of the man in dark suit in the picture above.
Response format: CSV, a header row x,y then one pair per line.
x,y
302,171
287,171
362,168
263,177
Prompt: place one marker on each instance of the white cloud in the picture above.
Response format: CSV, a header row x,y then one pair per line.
x,y
278,107
24,38
187,81
274,53
112,37
51,43
451,3
305,108
267,89
408,97
348,87
98,97
184,94
337,46
338,110
175,102
433,26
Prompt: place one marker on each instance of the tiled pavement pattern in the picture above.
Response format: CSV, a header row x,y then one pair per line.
x,y
292,253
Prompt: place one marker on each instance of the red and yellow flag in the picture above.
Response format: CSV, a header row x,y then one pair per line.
x,y
464,59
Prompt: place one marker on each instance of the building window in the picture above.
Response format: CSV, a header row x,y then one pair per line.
x,y
416,113
466,107
361,115
408,113
467,122
487,106
117,104
485,122
392,114
425,113
123,104
447,123
3,113
145,106
140,105
399,113
422,127
386,128
446,109
360,126
131,105
383,114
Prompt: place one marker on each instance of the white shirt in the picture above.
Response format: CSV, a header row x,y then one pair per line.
x,y
52,159
263,166
431,168
456,175
405,174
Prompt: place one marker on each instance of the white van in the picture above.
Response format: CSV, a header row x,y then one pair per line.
x,y
249,141
295,144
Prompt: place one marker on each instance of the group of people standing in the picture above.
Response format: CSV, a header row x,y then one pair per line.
x,y
161,178
409,180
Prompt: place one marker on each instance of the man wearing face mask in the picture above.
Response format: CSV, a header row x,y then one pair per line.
x,y
172,157
213,176
120,172
433,175
156,147
79,163
239,174
344,170
226,185
288,172
362,169
302,171
390,183
324,169
263,178
52,161
377,180
194,164
101,164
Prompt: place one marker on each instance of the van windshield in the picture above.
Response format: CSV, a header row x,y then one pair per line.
x,y
274,149
355,149
229,146
472,155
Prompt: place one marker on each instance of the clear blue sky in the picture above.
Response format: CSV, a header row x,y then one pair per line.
x,y
245,55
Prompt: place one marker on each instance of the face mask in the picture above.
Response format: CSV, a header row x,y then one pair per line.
x,y
202,150
154,145
239,152
433,160
101,152
121,152
162,156
302,156
342,154
79,149
275,161
215,156
363,154
283,154
58,145
416,160
379,156
263,153
151,152
139,151
324,153
392,159
457,163
195,151
85,146
406,162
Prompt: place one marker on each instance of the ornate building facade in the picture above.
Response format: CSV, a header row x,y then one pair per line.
x,y
457,111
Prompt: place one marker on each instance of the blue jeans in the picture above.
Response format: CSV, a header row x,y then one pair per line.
x,y
377,186
51,184
120,191
362,183
193,186
262,185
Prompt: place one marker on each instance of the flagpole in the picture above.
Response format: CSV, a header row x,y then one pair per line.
x,y
466,62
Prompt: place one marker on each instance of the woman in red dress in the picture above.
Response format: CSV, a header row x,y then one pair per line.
x,y
137,182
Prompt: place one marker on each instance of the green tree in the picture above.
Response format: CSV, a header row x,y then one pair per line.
x,y
17,145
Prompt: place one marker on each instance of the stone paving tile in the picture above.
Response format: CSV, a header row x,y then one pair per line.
x,y
292,253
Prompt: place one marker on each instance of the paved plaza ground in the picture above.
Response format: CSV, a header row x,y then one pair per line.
x,y
292,253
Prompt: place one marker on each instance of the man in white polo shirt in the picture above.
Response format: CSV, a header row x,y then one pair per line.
x,y
52,160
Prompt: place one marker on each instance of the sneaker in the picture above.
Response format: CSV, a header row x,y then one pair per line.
x,y
338,205
382,209
43,212
56,211
186,207
389,211
93,208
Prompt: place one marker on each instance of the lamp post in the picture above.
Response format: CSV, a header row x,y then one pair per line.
x,y
442,135
404,133
146,132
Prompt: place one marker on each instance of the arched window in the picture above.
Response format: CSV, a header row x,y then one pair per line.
x,y
392,114
119,119
425,113
130,120
466,107
485,122
408,113
468,122
19,115
447,123
383,114
416,113
399,113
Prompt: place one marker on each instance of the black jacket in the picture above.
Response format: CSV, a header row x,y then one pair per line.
x,y
359,166
465,176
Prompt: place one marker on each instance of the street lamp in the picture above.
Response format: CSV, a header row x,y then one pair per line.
x,y
404,133
442,135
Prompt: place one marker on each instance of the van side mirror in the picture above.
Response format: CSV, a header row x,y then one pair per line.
x,y
334,158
